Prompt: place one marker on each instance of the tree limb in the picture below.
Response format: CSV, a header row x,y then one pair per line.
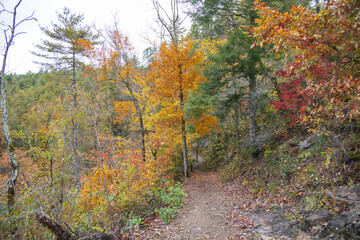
x,y
56,228
62,234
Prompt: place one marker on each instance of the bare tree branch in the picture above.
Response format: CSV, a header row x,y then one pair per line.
x,y
10,185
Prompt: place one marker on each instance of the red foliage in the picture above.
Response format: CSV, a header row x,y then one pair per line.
x,y
292,97
325,49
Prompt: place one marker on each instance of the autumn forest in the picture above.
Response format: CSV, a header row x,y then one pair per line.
x,y
100,141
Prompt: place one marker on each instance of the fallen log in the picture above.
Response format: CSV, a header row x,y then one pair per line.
x,y
62,234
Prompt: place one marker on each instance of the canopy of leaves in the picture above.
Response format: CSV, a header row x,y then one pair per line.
x,y
325,50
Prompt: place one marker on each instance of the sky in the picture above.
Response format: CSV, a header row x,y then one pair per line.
x,y
134,18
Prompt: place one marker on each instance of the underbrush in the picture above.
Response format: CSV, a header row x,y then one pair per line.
x,y
298,175
108,200
303,175
19,222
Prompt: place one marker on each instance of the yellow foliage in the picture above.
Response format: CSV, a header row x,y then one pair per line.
x,y
128,184
175,69
175,72
206,124
124,109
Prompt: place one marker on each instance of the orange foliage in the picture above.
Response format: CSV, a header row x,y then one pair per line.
x,y
324,47
128,184
174,71
124,110
206,124
28,170
175,67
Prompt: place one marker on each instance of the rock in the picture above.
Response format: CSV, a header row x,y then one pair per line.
x,y
353,230
307,206
264,237
350,195
271,225
338,222
306,143
303,236
346,225
318,217
356,190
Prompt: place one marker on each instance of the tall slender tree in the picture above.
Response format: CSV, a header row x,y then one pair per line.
x,y
172,22
64,52
117,62
10,33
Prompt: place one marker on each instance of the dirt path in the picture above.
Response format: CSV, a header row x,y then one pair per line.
x,y
204,215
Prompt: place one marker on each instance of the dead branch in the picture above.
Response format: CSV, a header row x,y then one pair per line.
x,y
62,234
56,228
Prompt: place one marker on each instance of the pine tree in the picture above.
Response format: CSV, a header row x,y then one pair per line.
x,y
64,52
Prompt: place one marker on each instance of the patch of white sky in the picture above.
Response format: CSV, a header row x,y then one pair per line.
x,y
135,18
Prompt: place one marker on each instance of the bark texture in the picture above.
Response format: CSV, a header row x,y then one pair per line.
x,y
75,124
252,113
183,130
9,37
56,228
62,233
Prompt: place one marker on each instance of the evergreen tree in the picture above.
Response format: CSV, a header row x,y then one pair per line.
x,y
64,51
235,61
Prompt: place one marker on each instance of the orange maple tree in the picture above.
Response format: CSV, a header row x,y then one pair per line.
x,y
175,72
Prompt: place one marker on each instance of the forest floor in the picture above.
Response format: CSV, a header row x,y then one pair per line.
x,y
206,213
218,211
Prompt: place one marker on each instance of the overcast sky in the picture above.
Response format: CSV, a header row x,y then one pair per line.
x,y
135,17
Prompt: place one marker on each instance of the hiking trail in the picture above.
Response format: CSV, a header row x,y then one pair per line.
x,y
205,214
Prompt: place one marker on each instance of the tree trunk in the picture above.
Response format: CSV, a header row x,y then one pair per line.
x,y
252,94
10,185
236,123
236,128
112,144
63,234
141,121
56,228
183,133
111,129
252,113
75,126
110,212
142,129
197,150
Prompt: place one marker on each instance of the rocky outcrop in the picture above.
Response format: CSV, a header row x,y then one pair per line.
x,y
271,225
306,143
319,217
345,225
